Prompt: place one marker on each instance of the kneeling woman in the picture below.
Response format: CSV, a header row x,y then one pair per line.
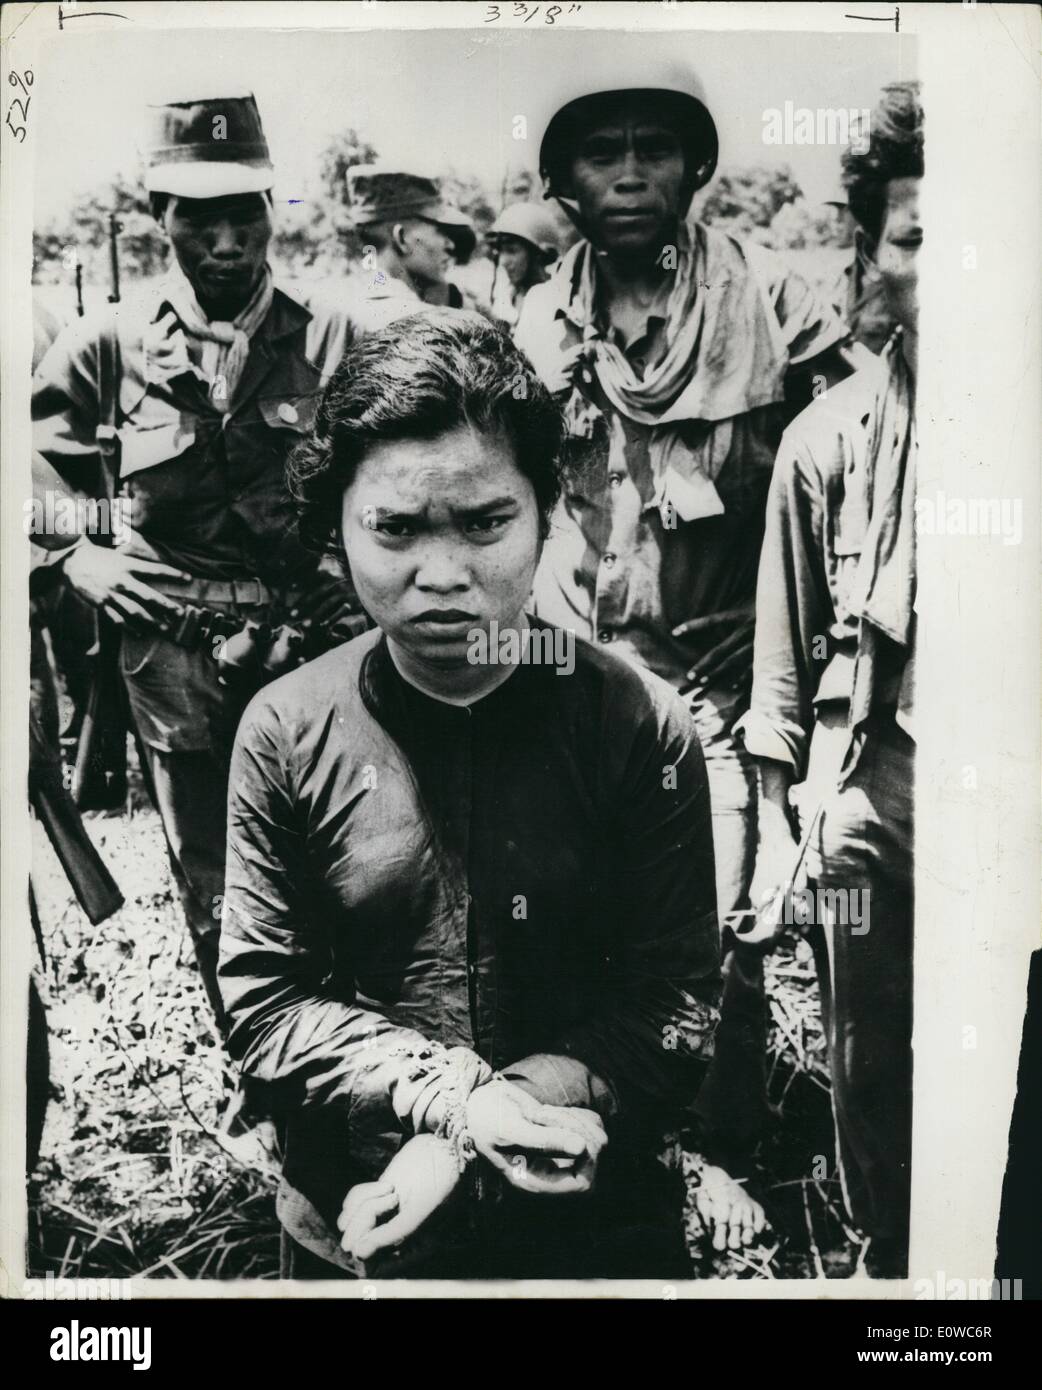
x,y
469,936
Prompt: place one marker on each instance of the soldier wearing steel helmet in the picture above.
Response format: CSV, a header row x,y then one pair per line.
x,y
525,242
185,400
678,355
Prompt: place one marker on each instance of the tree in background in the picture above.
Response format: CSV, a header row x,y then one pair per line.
x,y
744,202
343,152
803,226
314,239
470,195
83,232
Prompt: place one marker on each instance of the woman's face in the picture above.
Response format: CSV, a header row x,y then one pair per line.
x,y
442,536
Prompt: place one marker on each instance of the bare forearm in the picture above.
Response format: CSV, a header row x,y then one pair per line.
x,y
775,780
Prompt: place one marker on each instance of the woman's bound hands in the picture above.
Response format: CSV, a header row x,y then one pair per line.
x,y
536,1147
380,1215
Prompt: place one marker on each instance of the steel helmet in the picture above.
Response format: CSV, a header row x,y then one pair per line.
x,y
529,222
673,83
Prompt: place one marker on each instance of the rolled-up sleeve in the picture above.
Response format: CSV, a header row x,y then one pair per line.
x,y
66,413
287,1029
650,1043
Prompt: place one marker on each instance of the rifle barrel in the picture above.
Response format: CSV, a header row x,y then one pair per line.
x,y
114,227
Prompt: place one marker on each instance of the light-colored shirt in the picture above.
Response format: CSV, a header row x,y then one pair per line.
x,y
817,519
620,567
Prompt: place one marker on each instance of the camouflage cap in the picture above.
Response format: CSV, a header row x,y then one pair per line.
x,y
206,147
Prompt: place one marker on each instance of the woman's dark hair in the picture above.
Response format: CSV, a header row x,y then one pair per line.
x,y
416,379
895,151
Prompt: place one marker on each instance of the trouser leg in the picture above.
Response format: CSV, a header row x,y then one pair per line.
x,y
190,791
866,848
733,1099
186,725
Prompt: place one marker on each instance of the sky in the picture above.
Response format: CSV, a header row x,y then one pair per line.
x,y
435,100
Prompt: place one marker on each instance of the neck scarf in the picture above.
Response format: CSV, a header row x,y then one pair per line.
x,y
725,352
884,585
883,592
225,345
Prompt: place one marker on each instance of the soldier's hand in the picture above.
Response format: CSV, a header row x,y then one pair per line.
x,y
562,378
118,585
328,602
730,656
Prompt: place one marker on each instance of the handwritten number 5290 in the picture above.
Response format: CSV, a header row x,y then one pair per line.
x,y
24,81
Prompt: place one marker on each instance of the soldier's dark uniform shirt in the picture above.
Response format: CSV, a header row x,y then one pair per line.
x,y
207,494
530,877
207,489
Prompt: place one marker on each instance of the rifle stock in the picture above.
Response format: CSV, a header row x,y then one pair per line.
x,y
99,779
96,890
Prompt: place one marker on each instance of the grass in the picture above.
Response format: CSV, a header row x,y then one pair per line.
x,y
797,1182
132,1179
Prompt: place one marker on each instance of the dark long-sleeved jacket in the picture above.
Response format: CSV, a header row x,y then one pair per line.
x,y
530,877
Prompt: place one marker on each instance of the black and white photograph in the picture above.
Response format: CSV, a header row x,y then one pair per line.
x,y
499,587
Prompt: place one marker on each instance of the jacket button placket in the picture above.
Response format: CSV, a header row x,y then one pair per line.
x,y
622,502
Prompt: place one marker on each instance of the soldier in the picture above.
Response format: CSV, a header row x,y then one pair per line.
x,y
184,400
678,354
856,292
526,243
838,569
412,239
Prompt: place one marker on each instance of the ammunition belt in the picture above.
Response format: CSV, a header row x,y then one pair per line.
x,y
198,624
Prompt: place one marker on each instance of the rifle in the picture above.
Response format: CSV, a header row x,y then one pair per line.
x,y
100,777
115,227
96,890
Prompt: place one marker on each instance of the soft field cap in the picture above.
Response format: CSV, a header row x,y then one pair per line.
x,y
382,193
207,147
